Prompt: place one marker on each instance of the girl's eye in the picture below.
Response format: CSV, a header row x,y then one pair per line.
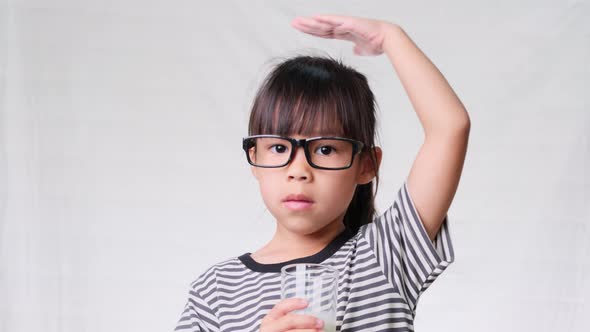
x,y
325,150
278,148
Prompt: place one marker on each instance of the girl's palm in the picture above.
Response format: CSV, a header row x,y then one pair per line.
x,y
366,34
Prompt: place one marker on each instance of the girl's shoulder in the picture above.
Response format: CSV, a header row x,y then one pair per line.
x,y
210,273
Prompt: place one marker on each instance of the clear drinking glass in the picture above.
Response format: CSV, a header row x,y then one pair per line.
x,y
318,285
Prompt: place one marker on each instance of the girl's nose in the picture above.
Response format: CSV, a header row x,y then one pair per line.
x,y
299,168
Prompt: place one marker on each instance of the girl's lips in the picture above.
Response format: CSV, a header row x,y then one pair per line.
x,y
297,197
297,205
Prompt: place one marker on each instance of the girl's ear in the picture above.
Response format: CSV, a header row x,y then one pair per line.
x,y
368,170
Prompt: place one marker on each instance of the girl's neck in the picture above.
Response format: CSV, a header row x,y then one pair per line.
x,y
286,246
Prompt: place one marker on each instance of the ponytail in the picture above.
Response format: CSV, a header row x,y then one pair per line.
x,y
361,210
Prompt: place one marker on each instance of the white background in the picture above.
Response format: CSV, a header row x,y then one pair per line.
x,y
122,176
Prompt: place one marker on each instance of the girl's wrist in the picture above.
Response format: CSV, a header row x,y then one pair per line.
x,y
391,35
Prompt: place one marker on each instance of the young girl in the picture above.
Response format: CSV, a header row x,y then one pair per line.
x,y
311,147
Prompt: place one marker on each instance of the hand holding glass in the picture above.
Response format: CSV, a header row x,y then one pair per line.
x,y
318,285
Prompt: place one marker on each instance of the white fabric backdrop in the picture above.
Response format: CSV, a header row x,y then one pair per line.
x,y
122,177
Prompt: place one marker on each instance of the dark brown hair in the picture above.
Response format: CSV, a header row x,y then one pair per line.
x,y
309,95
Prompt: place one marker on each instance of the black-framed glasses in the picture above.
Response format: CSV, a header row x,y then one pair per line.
x,y
272,151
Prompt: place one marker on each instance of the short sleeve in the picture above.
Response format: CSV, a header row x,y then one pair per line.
x,y
197,316
409,259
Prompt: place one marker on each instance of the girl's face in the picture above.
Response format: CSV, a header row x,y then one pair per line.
x,y
327,192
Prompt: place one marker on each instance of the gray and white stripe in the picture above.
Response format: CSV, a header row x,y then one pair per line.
x,y
383,268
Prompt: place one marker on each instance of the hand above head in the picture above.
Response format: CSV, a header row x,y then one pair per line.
x,y
368,35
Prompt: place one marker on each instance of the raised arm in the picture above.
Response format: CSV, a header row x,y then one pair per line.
x,y
435,173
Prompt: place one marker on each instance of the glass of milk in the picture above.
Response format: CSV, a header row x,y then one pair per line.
x,y
318,285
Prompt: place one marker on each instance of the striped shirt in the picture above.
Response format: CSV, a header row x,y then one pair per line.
x,y
383,269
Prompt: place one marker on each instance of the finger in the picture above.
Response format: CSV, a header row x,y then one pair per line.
x,y
313,29
313,32
298,322
317,34
286,306
326,36
339,32
347,35
306,27
342,29
314,24
333,19
347,32
359,26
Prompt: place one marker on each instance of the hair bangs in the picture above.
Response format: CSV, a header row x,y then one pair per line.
x,y
308,102
307,115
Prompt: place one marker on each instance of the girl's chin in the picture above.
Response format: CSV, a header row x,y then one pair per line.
x,y
302,226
